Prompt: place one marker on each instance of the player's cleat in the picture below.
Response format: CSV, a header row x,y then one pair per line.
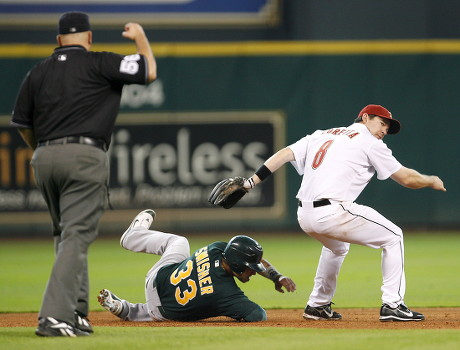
x,y
51,327
399,313
143,219
110,302
82,323
323,312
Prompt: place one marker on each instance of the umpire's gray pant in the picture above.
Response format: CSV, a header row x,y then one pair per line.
x,y
73,181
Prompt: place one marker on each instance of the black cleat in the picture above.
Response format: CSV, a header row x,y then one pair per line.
x,y
82,323
50,327
323,312
399,313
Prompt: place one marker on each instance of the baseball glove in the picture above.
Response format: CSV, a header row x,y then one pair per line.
x,y
228,192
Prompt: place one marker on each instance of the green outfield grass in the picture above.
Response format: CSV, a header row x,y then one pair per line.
x,y
432,264
431,267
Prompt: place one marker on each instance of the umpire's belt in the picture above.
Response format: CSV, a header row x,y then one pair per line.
x,y
75,139
320,203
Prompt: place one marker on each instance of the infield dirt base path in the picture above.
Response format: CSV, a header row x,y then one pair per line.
x,y
436,318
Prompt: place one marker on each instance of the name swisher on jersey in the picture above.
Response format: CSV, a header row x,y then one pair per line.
x,y
203,265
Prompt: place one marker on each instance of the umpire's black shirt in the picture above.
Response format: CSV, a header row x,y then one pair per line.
x,y
75,92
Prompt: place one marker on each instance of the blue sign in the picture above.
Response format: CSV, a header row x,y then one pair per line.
x,y
155,12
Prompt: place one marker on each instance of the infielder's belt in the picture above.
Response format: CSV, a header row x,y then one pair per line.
x,y
320,203
75,139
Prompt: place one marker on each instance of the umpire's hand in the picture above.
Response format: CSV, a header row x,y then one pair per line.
x,y
133,31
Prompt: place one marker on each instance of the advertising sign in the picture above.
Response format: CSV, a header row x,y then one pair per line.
x,y
167,161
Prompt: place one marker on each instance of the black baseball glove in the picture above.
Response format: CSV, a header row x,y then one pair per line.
x,y
228,192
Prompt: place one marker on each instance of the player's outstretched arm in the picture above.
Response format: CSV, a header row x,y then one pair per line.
x,y
271,165
411,178
280,281
229,191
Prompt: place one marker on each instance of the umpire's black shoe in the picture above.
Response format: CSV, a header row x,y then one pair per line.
x,y
323,312
82,323
50,327
399,313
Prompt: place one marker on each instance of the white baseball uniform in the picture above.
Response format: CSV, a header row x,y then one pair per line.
x,y
337,164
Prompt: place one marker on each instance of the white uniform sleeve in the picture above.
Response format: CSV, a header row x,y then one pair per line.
x,y
299,149
383,161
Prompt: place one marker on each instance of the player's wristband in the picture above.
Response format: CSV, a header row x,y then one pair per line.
x,y
263,172
272,273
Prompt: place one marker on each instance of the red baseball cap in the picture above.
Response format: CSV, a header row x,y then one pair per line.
x,y
381,111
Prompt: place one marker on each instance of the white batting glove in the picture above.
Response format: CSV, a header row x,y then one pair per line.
x,y
248,183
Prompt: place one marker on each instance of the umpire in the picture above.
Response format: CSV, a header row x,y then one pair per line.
x,y
66,110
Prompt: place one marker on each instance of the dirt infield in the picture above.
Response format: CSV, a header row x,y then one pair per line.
x,y
436,318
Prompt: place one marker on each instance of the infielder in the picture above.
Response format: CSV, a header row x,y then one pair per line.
x,y
187,288
336,165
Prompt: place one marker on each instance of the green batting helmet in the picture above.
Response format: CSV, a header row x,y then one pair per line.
x,y
242,252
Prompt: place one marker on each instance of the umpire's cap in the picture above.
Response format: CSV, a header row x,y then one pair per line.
x,y
381,111
73,22
242,252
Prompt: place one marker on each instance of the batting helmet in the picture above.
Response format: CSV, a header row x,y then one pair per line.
x,y
242,252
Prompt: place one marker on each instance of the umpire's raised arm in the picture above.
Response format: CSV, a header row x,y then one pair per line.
x,y
135,32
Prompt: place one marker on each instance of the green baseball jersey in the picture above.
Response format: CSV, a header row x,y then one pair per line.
x,y
199,288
